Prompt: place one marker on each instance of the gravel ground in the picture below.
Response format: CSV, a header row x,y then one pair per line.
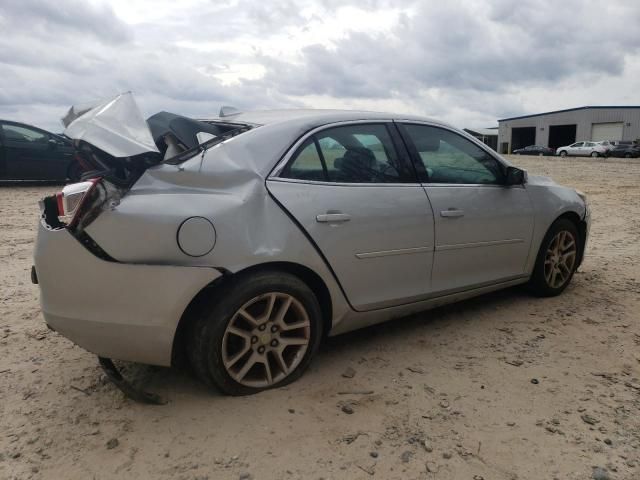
x,y
504,386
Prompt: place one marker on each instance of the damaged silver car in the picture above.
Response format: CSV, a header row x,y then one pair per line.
x,y
242,241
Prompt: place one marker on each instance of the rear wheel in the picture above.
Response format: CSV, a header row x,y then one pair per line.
x,y
594,154
627,155
563,153
557,259
260,332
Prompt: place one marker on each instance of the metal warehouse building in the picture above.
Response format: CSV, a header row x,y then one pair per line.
x,y
564,127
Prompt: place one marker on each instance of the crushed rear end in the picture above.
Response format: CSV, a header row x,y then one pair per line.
x,y
115,309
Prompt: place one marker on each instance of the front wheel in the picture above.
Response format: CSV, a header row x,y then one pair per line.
x,y
540,154
563,153
627,155
259,332
557,259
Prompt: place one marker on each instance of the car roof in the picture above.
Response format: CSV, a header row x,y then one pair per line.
x,y
316,117
278,130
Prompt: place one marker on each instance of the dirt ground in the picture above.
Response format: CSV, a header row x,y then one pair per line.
x,y
504,386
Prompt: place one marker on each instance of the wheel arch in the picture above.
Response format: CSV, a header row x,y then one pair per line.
x,y
581,225
308,276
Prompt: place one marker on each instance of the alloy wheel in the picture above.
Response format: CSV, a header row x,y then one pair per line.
x,y
266,340
560,259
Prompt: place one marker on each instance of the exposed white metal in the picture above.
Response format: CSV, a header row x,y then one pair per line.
x,y
115,126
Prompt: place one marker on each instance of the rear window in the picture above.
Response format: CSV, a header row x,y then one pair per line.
x,y
227,131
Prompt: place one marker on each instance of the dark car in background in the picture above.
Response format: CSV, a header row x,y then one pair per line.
x,y
30,153
534,150
625,151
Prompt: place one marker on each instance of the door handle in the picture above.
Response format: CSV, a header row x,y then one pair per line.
x,y
452,212
333,218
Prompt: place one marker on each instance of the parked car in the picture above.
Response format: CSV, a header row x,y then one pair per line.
x,y
608,146
582,149
625,151
246,250
535,150
30,153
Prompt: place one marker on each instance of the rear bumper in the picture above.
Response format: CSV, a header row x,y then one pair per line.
x,y
115,310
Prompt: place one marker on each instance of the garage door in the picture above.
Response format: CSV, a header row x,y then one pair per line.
x,y
606,131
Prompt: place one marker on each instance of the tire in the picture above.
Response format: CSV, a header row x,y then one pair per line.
x,y
594,154
563,153
213,348
541,283
627,155
540,154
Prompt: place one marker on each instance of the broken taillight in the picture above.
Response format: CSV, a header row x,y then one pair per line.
x,y
72,199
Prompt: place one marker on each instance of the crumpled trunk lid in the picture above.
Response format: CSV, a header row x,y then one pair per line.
x,y
116,127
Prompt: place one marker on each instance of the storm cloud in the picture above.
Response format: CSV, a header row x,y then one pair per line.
x,y
466,62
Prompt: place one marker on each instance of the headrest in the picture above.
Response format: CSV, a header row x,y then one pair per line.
x,y
427,143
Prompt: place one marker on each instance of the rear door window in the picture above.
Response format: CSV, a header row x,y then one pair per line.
x,y
21,134
307,164
359,153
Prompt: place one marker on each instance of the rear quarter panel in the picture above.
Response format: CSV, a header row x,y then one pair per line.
x,y
251,228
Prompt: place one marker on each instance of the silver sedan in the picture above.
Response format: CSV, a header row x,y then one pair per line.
x,y
241,241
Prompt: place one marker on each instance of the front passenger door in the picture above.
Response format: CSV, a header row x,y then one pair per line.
x,y
483,228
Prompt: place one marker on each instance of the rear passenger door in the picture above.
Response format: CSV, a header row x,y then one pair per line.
x,y
483,227
353,190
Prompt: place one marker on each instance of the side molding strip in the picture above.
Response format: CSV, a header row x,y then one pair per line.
x,y
400,251
478,244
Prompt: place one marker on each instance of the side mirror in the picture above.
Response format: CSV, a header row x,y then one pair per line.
x,y
515,176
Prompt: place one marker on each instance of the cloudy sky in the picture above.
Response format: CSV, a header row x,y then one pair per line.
x,y
467,62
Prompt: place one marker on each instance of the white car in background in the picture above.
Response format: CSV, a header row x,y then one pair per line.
x,y
582,149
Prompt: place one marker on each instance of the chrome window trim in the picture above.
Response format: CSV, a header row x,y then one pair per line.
x,y
341,184
491,185
277,170
424,185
